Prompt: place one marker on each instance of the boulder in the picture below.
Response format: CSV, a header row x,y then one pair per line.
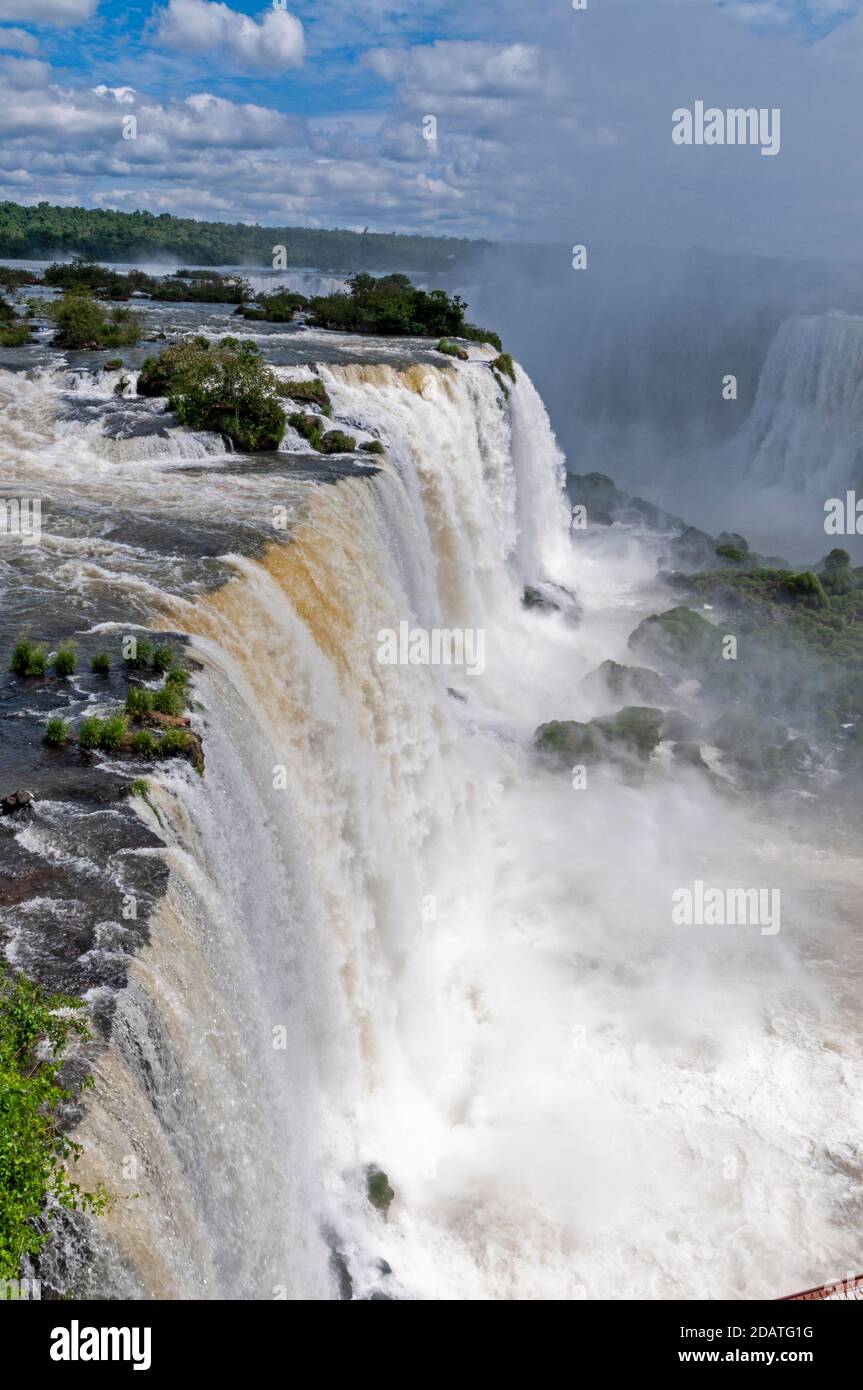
x,y
628,684
680,640
17,803
627,737
545,597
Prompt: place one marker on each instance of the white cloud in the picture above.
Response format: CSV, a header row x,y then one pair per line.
x,y
18,41
48,11
273,43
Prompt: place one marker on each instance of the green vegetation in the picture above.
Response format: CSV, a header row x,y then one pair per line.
x,y
81,323
280,306
162,659
392,307
380,1194
176,676
314,391
504,364
34,1153
679,638
113,733
329,442
65,661
139,702
629,736
56,733
169,700
140,654
101,664
114,364
225,387
140,787
373,446
15,335
29,659
90,734
174,742
42,230
143,744
13,279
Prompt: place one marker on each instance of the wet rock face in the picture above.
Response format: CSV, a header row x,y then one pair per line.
x,y
545,597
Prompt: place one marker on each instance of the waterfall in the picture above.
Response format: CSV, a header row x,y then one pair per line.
x,y
804,430
392,939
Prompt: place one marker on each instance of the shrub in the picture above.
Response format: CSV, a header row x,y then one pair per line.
x,y
391,306
140,787
309,426
169,700
113,733
101,664
56,733
143,744
449,348
29,659
139,701
15,335
173,742
90,734
337,442
505,364
280,306
225,387
314,391
162,659
34,1179
114,364
81,322
176,676
143,651
65,661
372,446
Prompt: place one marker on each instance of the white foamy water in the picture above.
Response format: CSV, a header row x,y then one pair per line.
x,y
391,937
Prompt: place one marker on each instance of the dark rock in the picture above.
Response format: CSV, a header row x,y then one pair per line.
x,y
18,803
378,1189
545,597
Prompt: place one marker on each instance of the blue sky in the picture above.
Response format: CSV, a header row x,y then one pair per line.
x,y
549,122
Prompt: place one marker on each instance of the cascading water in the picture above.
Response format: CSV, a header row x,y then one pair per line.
x,y
391,938
805,426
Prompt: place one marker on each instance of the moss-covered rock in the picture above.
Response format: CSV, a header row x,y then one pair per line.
x,y
331,442
628,684
680,640
627,737
313,391
378,1189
